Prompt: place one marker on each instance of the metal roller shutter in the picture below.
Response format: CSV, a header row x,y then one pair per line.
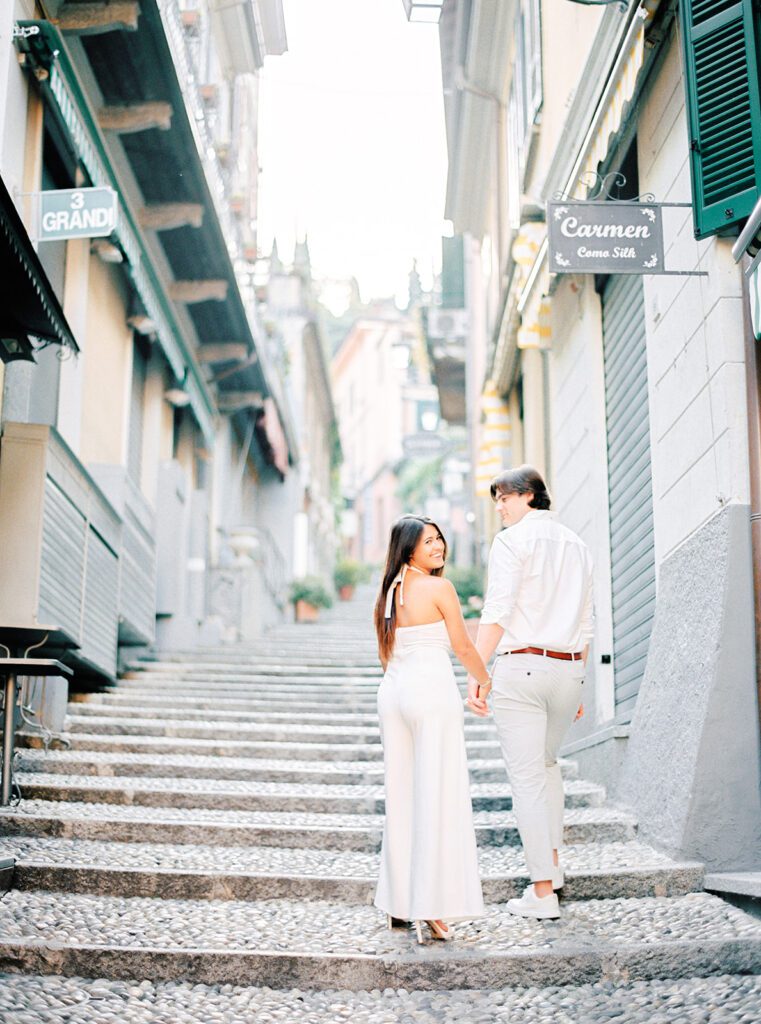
x,y
630,491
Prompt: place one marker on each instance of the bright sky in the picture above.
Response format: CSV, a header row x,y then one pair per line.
x,y
352,145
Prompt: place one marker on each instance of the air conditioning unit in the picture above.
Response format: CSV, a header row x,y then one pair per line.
x,y
447,323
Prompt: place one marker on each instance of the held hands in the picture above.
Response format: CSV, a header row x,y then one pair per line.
x,y
476,700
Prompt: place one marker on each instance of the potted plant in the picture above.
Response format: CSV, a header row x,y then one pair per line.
x,y
308,595
347,575
469,584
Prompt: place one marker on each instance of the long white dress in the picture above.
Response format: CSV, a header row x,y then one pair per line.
x,y
429,863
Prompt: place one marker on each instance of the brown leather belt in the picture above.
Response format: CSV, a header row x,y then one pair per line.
x,y
562,655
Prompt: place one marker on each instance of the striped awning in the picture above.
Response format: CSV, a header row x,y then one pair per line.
x,y
32,307
495,438
621,95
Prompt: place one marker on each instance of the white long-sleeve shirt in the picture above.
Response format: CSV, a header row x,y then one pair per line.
x,y
540,586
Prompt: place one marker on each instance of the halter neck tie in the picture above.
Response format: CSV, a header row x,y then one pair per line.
x,y
398,581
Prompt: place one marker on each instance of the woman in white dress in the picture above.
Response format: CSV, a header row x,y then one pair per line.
x,y
429,863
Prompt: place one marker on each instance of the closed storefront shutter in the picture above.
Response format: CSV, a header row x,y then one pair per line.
x,y
629,484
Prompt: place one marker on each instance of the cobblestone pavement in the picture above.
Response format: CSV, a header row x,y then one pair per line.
x,y
320,928
310,861
195,834
53,1000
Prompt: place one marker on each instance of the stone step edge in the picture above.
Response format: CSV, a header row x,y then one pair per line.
x,y
358,838
319,775
676,879
191,799
273,749
424,968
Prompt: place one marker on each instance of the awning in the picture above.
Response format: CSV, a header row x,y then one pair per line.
x,y
495,439
32,307
271,438
619,93
62,89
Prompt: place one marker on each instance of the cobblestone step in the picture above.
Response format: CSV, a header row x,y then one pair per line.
x,y
308,732
593,870
125,726
106,763
731,999
240,795
227,747
303,672
326,690
156,704
208,826
363,706
285,943
192,710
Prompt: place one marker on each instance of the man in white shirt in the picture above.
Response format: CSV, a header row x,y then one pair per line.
x,y
538,617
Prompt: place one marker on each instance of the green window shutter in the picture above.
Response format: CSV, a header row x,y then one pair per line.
x,y
724,113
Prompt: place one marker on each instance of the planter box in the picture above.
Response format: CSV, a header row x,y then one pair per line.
x,y
346,593
306,612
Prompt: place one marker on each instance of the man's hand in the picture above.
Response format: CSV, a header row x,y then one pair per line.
x,y
475,703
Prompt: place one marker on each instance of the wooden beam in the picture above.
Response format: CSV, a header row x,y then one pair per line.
x,y
222,352
142,323
136,117
89,19
234,401
198,291
106,250
167,216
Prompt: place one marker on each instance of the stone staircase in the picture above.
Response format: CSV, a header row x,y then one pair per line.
x,y
206,850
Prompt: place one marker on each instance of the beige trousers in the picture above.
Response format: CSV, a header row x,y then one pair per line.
x,y
535,700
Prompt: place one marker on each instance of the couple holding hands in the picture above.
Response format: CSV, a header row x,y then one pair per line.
x,y
537,618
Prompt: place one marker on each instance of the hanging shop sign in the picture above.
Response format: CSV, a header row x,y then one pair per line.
x,y
76,213
605,237
425,445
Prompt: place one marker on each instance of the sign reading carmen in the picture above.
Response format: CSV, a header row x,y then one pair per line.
x,y
76,213
605,238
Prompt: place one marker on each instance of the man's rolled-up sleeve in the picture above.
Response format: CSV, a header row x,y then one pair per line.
x,y
504,576
588,614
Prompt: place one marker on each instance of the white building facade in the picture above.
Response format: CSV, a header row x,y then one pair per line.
x,y
630,392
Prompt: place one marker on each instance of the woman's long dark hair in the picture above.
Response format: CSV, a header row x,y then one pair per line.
x,y
405,534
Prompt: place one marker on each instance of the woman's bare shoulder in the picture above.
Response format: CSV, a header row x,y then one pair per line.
x,y
440,584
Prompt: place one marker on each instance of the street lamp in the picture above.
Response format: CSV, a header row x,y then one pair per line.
x,y
423,10
18,347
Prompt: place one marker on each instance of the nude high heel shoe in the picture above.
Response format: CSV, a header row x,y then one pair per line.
x,y
437,932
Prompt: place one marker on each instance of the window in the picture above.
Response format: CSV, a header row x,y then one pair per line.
x,y
723,110
524,100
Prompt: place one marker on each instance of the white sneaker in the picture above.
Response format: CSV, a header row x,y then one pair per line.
x,y
531,905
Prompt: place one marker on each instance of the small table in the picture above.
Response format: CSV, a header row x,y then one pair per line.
x,y
19,641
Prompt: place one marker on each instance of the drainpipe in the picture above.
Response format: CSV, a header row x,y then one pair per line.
x,y
752,383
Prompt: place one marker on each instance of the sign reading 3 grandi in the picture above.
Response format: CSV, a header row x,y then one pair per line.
x,y
76,213
605,238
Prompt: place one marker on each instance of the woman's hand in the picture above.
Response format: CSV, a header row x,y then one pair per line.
x,y
475,702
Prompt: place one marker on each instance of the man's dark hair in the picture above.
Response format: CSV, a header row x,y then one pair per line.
x,y
521,480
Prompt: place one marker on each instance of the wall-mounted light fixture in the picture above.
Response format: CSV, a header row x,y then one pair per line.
x,y
16,348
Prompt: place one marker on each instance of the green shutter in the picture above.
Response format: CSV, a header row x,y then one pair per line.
x,y
723,110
